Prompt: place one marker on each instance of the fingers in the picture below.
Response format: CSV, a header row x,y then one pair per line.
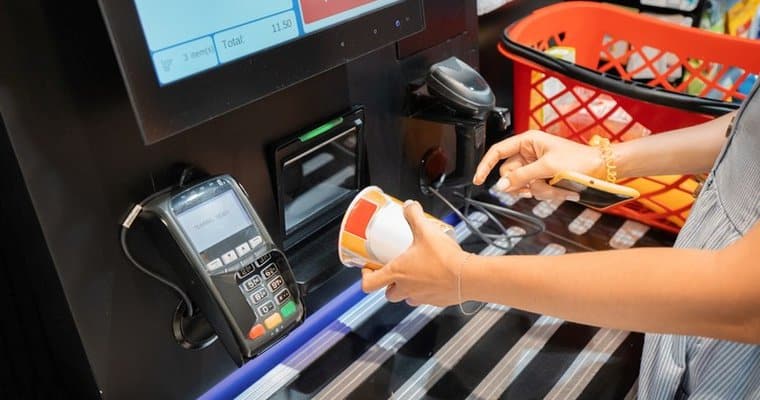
x,y
412,302
375,279
496,153
543,191
511,164
393,294
525,193
525,175
415,217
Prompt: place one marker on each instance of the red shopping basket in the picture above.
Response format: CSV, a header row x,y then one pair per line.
x,y
629,80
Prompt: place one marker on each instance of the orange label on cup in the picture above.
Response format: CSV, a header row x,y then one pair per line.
x,y
360,215
374,230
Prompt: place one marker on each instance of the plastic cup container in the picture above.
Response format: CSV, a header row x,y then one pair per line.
x,y
374,230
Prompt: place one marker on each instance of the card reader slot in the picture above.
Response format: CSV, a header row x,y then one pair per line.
x,y
320,146
317,173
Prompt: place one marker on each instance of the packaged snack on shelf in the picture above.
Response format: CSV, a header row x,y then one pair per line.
x,y
680,5
740,17
714,15
754,31
486,6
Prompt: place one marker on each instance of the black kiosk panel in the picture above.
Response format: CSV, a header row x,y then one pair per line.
x,y
185,63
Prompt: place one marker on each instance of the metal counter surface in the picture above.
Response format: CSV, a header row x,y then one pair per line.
x,y
376,349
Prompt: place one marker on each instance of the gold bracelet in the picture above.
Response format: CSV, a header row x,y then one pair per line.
x,y
459,287
608,156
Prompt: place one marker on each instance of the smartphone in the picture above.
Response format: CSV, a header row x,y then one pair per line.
x,y
594,192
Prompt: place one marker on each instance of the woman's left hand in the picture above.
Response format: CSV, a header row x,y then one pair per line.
x,y
427,272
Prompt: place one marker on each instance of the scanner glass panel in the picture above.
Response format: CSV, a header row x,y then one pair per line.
x,y
185,37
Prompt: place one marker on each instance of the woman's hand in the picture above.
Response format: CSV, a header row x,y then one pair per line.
x,y
427,272
533,157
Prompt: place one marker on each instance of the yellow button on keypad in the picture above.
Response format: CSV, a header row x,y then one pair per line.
x,y
273,321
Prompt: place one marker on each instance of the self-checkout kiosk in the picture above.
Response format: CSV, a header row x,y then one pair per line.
x,y
176,172
225,139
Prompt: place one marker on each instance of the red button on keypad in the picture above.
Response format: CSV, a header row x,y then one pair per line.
x,y
256,331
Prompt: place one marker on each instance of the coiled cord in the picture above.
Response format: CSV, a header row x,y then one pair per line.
x,y
126,224
536,224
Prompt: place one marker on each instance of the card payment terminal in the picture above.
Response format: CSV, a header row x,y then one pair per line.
x,y
227,262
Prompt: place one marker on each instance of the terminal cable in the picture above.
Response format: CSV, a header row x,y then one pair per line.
x,y
535,224
125,226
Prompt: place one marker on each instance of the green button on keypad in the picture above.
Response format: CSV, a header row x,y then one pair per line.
x,y
288,309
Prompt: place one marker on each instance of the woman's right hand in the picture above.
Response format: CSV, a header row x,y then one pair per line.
x,y
533,157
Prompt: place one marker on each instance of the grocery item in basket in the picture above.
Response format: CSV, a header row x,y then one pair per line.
x,y
698,85
584,119
616,48
733,75
746,86
728,79
661,64
552,87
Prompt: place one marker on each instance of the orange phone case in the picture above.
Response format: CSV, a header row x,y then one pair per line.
x,y
598,184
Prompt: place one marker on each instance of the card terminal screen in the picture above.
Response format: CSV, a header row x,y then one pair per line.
x,y
214,220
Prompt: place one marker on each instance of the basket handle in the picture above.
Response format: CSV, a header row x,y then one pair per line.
x,y
615,84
